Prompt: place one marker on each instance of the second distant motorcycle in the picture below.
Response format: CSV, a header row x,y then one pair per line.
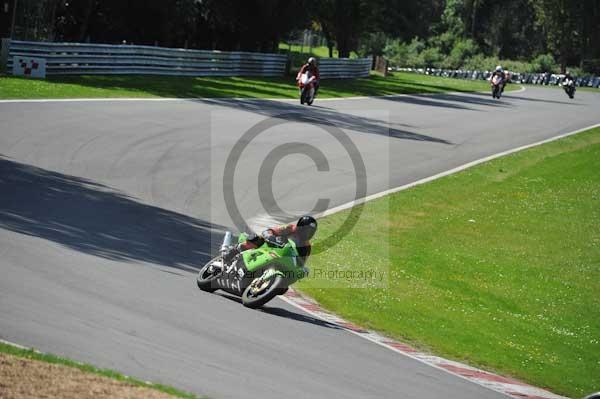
x,y
497,82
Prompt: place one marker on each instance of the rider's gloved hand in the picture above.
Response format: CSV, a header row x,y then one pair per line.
x,y
268,236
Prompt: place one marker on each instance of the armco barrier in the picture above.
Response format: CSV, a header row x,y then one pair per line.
x,y
88,59
526,78
104,59
344,67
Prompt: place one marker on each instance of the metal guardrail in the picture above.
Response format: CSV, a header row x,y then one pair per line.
x,y
330,68
80,58
105,59
524,78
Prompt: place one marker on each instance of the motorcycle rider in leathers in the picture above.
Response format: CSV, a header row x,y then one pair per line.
x,y
300,232
311,66
500,72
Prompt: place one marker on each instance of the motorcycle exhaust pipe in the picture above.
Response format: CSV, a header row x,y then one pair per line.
x,y
226,241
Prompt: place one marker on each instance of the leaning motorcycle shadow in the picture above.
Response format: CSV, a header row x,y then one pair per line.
x,y
284,313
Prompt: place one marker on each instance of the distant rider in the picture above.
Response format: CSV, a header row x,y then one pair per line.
x,y
500,72
313,69
300,232
568,79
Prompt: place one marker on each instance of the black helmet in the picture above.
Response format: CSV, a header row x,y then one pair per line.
x,y
306,227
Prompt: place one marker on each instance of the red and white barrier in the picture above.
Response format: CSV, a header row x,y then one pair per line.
x,y
29,67
507,386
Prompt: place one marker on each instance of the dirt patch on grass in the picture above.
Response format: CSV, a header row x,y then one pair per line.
x,y
22,378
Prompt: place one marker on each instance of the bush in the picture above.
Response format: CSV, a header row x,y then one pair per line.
x,y
445,42
591,65
396,52
460,53
463,54
402,54
431,57
481,63
372,44
575,71
545,63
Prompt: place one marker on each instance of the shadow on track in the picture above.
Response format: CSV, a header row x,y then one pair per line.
x,y
540,100
281,312
321,115
284,313
94,219
452,101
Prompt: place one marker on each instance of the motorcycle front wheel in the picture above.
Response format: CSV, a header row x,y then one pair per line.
x,y
310,98
496,92
207,276
258,293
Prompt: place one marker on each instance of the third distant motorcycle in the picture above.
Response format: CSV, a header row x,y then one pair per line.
x,y
569,87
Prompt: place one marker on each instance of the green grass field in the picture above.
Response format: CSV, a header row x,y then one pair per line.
x,y
320,51
498,265
48,358
184,87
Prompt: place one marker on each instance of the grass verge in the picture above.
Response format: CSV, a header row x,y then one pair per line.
x,y
497,266
99,86
306,51
299,54
48,358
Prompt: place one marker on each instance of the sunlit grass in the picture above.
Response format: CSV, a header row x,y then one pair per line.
x,y
318,51
498,265
250,87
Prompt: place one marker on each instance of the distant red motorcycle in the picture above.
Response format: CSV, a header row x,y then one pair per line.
x,y
306,83
497,82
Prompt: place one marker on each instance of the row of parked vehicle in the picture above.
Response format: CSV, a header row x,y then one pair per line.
x,y
515,77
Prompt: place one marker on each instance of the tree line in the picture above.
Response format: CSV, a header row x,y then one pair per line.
x,y
427,32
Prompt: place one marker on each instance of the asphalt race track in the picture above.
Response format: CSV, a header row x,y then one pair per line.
x,y
108,207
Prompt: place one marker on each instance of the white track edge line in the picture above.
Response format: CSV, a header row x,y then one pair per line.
x,y
460,168
3,341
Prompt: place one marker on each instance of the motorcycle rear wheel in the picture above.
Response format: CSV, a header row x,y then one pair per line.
x,y
253,301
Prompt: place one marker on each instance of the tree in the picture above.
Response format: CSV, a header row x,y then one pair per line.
x,y
561,21
89,6
591,36
341,20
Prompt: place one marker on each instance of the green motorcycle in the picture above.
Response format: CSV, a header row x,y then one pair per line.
x,y
257,275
